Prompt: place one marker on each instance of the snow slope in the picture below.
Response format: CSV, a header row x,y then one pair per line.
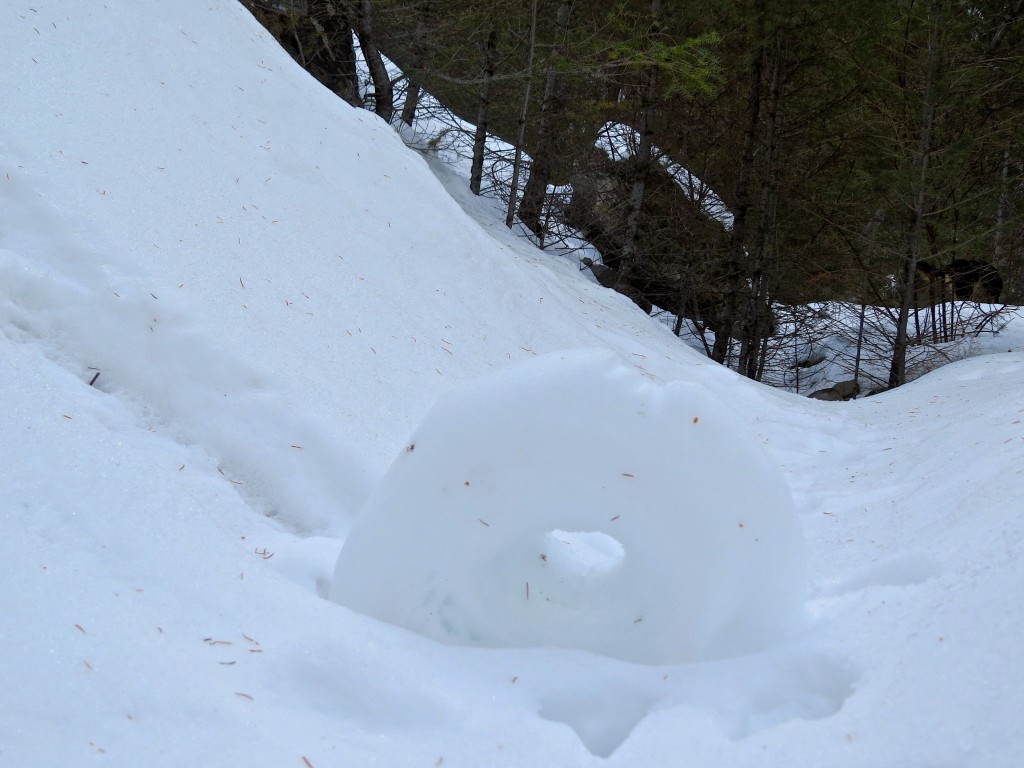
x,y
274,293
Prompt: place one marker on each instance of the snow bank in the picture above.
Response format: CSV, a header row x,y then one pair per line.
x,y
570,501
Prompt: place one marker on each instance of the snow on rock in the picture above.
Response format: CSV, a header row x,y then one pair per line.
x,y
569,501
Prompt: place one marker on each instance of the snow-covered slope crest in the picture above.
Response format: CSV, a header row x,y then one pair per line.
x,y
571,501
190,214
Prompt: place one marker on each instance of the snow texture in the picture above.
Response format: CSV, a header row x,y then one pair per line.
x,y
570,501
229,302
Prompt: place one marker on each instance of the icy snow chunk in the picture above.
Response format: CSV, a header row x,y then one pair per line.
x,y
570,501
583,553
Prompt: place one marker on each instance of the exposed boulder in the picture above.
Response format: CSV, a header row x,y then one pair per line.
x,y
681,259
843,390
609,278
808,362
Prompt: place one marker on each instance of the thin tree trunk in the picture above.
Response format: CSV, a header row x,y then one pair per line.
x,y
483,117
413,90
412,100
1001,205
517,163
757,321
334,28
860,339
348,74
912,233
642,162
531,206
734,279
383,90
298,41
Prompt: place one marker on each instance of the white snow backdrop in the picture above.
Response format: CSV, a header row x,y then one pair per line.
x,y
228,302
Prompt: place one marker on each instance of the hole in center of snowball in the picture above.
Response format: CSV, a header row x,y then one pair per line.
x,y
583,554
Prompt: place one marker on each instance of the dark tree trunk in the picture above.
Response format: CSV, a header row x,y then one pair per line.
x,y
734,279
343,55
916,220
476,172
383,90
413,90
521,125
531,207
757,319
412,100
642,162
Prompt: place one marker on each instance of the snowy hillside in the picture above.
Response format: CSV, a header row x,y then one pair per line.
x,y
235,312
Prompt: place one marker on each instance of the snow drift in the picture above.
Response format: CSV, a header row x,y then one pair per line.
x,y
570,501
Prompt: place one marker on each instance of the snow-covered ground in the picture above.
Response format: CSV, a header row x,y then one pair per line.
x,y
228,302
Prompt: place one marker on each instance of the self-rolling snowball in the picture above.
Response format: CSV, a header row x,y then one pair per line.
x,y
572,502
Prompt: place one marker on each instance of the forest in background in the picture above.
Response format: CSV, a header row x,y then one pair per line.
x,y
779,154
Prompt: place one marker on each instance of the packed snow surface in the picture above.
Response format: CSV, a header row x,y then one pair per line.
x,y
571,501
229,302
